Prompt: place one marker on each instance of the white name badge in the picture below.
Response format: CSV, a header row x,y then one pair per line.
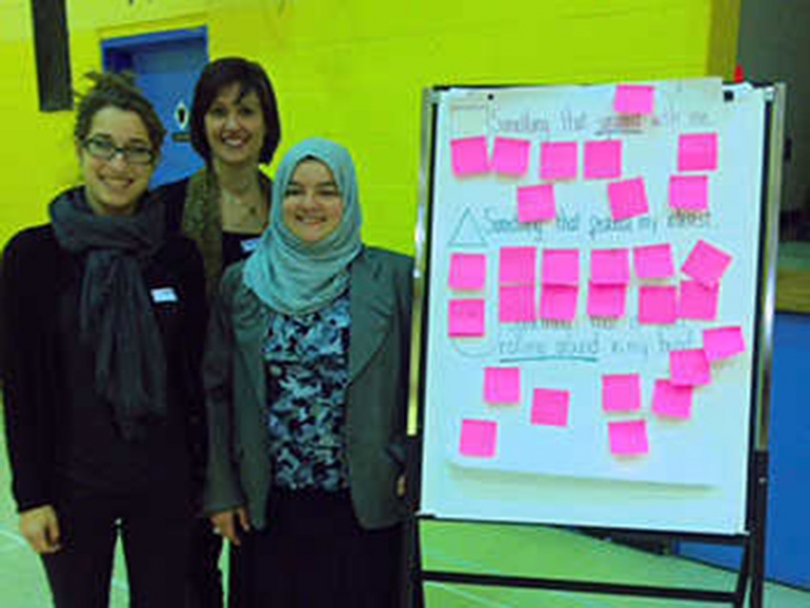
x,y
164,294
249,245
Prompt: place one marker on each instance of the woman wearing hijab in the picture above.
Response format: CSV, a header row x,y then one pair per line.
x,y
102,313
307,379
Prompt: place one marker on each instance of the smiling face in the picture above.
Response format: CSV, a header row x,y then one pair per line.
x,y
313,205
114,186
234,127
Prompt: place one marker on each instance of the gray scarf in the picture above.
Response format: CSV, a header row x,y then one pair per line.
x,y
115,311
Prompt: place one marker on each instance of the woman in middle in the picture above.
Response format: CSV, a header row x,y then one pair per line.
x,y
234,127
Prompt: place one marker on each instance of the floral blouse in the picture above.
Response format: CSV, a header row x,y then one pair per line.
x,y
307,364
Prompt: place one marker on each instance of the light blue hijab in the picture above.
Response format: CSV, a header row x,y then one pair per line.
x,y
293,277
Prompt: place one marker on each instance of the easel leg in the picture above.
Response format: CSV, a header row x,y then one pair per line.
x,y
757,555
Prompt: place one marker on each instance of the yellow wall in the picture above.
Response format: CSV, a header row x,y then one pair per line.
x,y
353,70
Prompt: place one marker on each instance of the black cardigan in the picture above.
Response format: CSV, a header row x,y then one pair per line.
x,y
35,271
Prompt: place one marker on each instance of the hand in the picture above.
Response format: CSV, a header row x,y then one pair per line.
x,y
401,486
231,524
40,527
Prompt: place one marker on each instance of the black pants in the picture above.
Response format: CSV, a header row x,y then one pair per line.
x,y
314,554
154,528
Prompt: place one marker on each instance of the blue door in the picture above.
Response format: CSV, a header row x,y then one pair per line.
x,y
166,67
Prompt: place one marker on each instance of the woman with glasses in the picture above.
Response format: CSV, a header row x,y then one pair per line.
x,y
307,383
102,315
235,127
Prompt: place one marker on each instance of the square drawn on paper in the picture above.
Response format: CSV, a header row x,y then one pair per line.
x,y
634,99
558,303
603,159
550,407
466,318
517,303
706,263
628,199
469,156
607,301
479,438
558,160
657,305
610,266
502,385
561,267
468,271
689,367
621,392
670,401
517,266
628,438
536,203
697,152
723,342
511,156
689,193
653,261
697,301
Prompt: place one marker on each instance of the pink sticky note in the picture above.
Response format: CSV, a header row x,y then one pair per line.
x,y
561,267
697,301
479,438
466,318
670,401
610,266
550,407
689,192
621,392
607,301
653,261
723,342
510,156
469,155
558,302
657,304
558,160
634,99
689,367
468,271
697,152
628,198
536,203
603,159
517,303
706,263
502,384
628,438
518,266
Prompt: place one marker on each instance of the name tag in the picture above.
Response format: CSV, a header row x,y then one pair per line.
x,y
249,245
164,294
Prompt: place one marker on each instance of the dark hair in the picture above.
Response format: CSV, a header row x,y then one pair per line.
x,y
250,77
119,91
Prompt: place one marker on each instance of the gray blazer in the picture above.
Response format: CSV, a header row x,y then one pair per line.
x,y
239,469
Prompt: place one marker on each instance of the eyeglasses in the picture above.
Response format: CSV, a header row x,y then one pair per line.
x,y
104,149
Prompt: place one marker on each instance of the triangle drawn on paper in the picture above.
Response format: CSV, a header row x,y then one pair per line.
x,y
468,233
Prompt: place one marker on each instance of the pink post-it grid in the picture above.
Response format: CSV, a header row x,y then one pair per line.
x,y
607,301
628,198
517,303
628,438
502,384
469,156
723,342
558,302
536,203
706,263
466,318
468,271
634,99
689,367
653,261
558,160
550,407
517,266
657,305
697,152
610,266
479,438
561,267
603,159
670,401
621,392
697,301
510,156
689,193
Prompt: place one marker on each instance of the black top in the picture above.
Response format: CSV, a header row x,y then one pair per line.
x,y
58,430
